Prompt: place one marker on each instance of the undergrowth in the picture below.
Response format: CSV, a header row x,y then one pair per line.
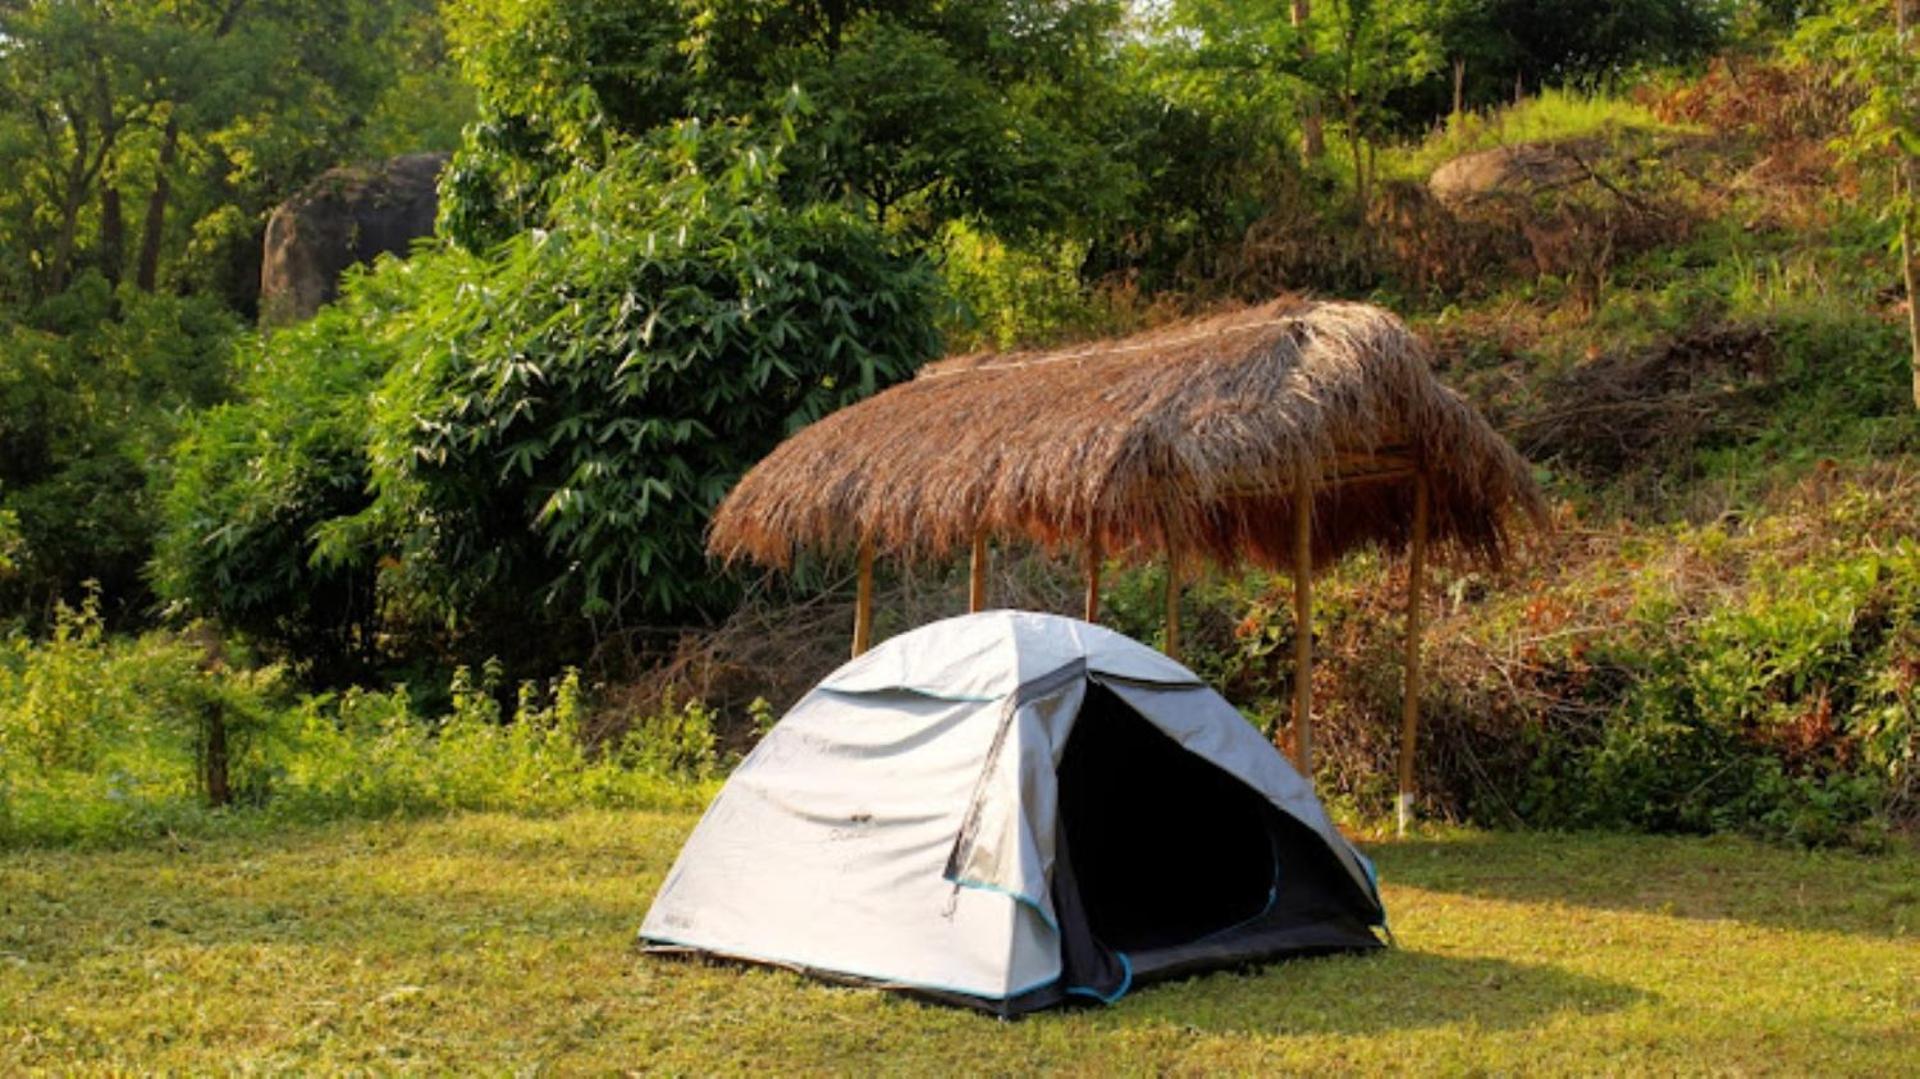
x,y
105,739
1757,673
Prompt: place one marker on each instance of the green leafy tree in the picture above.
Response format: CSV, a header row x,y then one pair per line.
x,y
149,138
1341,59
1869,46
917,113
1496,49
93,383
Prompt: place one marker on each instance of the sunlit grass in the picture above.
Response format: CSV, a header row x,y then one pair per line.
x,y
493,943
1550,115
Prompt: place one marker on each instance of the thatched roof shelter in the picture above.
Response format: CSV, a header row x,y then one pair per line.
x,y
1284,435
1194,436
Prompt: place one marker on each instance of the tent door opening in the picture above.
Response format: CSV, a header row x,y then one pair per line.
x,y
1166,849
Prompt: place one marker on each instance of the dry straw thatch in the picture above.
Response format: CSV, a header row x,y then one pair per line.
x,y
1193,435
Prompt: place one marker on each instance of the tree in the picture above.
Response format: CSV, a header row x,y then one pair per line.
x,y
250,481
499,452
1492,47
118,115
1342,59
1869,47
93,384
915,113
1313,143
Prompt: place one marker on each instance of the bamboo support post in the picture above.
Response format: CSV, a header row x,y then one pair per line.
x,y
977,575
1093,579
1172,643
1410,706
863,603
1303,625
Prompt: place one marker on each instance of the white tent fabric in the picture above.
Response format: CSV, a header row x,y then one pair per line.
x,y
899,824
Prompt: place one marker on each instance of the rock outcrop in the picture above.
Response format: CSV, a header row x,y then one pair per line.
x,y
348,216
1521,169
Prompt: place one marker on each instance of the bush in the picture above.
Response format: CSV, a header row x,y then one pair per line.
x,y
369,753
105,739
252,482
11,545
1790,710
467,447
1761,677
92,385
102,737
1010,297
574,405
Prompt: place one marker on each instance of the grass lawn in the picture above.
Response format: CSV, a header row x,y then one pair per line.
x,y
495,943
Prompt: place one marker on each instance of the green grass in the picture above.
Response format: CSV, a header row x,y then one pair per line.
x,y
492,943
1549,116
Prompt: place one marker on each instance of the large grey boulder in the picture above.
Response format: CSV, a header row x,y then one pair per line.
x,y
348,216
1520,169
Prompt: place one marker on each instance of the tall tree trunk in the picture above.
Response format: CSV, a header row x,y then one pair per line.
x,y
154,228
113,231
62,263
1361,195
1313,140
73,194
1459,86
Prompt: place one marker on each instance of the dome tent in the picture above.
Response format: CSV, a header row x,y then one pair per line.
x,y
1005,809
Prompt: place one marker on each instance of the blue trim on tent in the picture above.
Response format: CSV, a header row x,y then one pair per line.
x,y
883,979
1126,983
1018,897
1373,881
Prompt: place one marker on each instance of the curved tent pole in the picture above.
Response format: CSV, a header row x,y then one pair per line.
x,y
1410,704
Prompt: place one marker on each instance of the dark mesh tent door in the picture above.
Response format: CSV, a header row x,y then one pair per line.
x,y
1176,862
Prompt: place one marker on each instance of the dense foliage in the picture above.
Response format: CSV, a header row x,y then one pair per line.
x,y
673,232
94,385
572,412
251,481
535,436
105,739
917,113
147,140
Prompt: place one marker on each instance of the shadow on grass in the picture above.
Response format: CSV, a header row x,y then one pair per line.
x,y
1719,877
1371,994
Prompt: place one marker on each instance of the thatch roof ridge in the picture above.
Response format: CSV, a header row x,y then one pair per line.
x,y
1192,434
